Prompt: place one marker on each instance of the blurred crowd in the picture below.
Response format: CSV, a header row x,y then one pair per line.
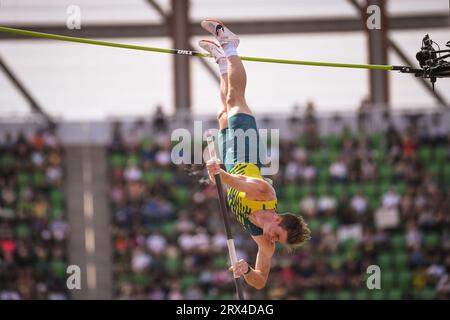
x,y
370,199
33,229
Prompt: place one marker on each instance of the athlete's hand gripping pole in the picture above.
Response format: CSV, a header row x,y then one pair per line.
x,y
223,210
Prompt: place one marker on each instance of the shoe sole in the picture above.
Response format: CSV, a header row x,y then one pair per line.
x,y
217,46
219,22
212,42
215,20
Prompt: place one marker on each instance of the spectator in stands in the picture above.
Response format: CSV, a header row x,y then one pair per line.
x,y
391,199
408,146
363,114
359,204
338,170
294,124
159,120
311,129
437,131
116,140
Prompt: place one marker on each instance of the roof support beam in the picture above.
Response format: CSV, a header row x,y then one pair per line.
x,y
377,42
35,107
301,25
180,33
166,17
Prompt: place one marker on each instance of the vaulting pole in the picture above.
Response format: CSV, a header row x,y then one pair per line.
x,y
224,211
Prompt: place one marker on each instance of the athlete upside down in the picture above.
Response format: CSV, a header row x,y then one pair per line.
x,y
252,200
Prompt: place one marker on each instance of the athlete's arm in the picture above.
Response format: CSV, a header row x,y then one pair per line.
x,y
254,188
257,277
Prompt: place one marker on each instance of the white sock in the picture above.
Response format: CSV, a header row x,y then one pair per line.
x,y
230,49
223,65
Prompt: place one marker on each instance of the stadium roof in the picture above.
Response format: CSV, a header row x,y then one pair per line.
x,y
85,82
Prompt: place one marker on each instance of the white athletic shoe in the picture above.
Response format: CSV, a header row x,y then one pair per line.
x,y
218,30
213,48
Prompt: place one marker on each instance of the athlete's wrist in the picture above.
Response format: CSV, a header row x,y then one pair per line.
x,y
224,176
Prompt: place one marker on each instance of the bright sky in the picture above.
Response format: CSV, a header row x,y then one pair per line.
x,y
80,82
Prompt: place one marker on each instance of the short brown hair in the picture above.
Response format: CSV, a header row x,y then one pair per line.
x,y
297,229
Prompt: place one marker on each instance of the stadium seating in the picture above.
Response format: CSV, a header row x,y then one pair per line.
x,y
33,229
331,265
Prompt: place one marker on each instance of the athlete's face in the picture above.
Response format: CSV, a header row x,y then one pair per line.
x,y
274,233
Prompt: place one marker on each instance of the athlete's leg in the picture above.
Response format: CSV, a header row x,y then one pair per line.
x,y
222,116
237,81
217,53
237,78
